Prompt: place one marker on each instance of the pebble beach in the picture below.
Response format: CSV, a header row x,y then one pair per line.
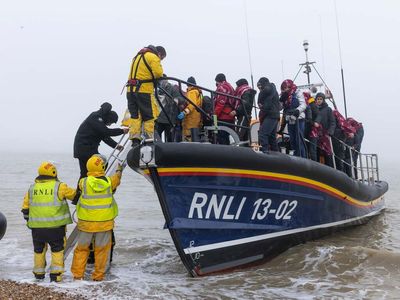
x,y
11,290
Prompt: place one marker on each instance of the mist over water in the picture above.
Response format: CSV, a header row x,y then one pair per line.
x,y
359,263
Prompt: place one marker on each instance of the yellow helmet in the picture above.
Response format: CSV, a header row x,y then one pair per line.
x,y
47,169
97,163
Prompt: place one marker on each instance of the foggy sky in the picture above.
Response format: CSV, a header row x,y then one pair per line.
x,y
59,60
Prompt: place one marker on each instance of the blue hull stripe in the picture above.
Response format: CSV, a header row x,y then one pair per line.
x,y
191,250
184,223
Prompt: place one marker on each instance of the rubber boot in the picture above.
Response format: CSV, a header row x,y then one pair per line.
x,y
135,142
39,276
55,277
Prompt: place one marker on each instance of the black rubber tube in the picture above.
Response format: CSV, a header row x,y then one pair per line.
x,y
3,225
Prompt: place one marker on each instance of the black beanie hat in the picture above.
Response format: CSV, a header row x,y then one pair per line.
x,y
220,77
191,80
322,95
263,81
241,82
105,108
111,117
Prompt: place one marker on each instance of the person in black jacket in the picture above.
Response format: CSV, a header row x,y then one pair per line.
x,y
167,119
94,130
312,112
326,120
244,108
268,102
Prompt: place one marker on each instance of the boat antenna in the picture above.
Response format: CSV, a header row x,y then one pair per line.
x,y
248,50
322,46
248,43
341,63
307,63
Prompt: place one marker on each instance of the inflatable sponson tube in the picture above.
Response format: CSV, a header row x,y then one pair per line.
x,y
168,155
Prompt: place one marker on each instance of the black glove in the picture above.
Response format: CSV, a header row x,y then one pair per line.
x,y
296,113
76,198
25,213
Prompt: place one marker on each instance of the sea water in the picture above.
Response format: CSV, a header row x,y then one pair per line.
x,y
359,263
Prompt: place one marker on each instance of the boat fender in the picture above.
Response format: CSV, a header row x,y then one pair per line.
x,y
146,156
3,225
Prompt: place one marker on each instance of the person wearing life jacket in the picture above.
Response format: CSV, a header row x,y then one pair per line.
x,y
355,143
145,70
244,107
223,107
47,214
343,134
268,102
190,116
324,128
294,106
96,211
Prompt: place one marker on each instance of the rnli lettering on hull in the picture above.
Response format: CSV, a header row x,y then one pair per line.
x,y
221,208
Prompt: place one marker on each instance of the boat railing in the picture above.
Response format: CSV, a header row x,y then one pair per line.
x,y
217,125
362,166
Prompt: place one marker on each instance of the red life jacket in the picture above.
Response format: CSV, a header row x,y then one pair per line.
x,y
224,105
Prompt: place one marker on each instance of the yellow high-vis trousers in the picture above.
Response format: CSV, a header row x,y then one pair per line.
x,y
102,248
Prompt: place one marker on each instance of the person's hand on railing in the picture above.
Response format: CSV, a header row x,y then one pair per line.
x,y
120,168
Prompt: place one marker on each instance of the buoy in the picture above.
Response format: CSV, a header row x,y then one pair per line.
x,y
3,225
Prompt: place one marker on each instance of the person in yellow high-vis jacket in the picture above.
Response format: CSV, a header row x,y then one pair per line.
x,y
191,116
47,214
96,211
145,70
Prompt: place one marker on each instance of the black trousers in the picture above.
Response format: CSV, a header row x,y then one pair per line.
x,y
55,246
167,129
243,133
140,103
267,135
52,236
338,149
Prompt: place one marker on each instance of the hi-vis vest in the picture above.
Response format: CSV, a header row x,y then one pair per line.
x,y
97,201
46,210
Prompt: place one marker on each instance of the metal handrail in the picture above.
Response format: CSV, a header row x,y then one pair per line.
x,y
368,168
